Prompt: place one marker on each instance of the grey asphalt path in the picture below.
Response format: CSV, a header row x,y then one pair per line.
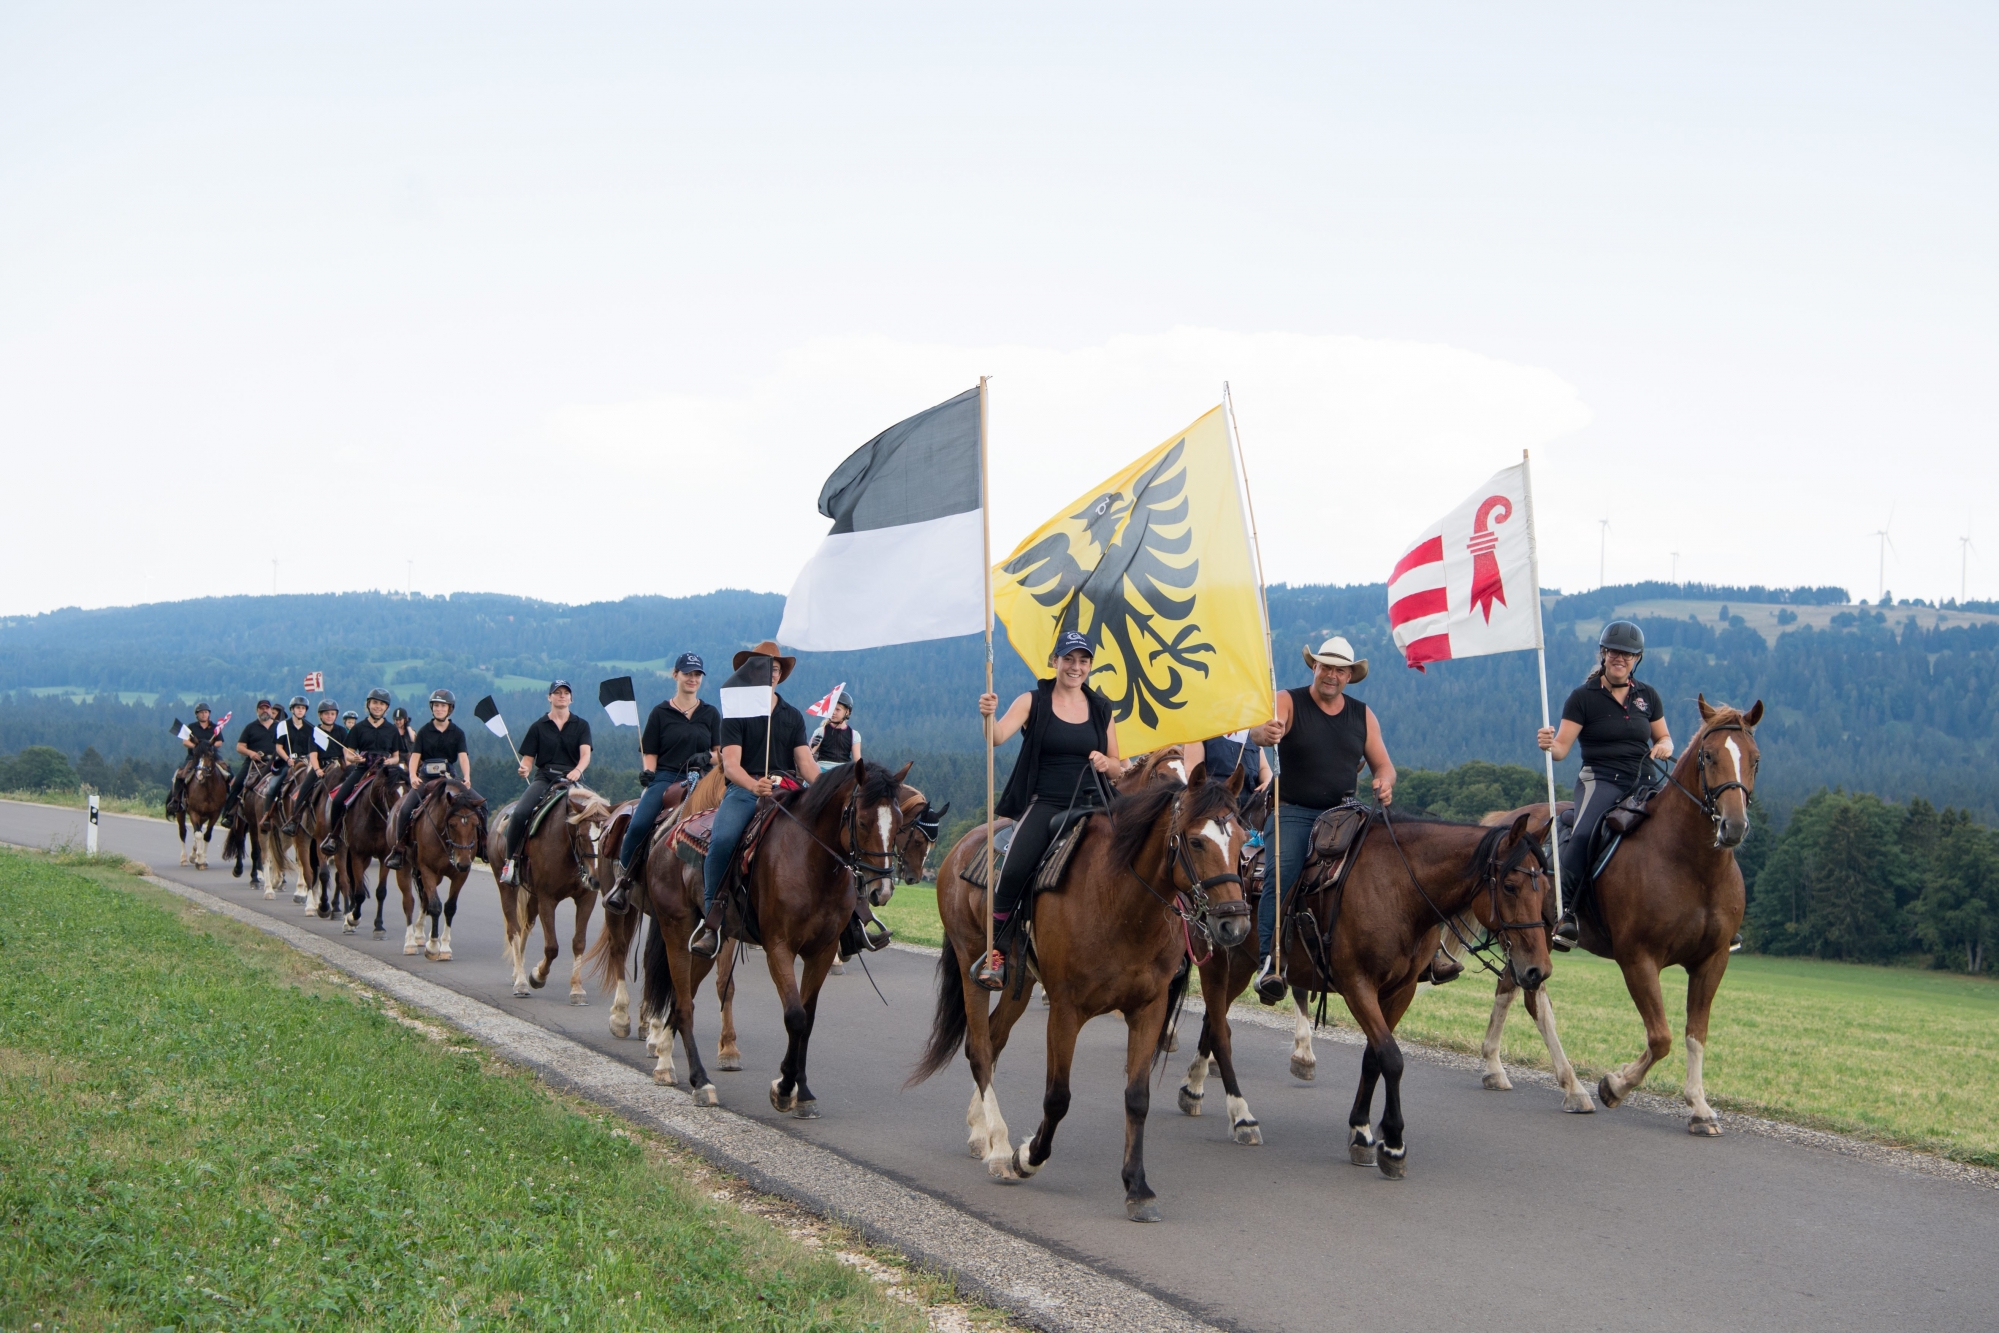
x,y
1513,1216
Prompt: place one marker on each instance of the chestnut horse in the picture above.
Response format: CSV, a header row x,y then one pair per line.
x,y
1671,897
311,821
566,858
365,840
201,805
446,836
1410,876
257,829
1113,936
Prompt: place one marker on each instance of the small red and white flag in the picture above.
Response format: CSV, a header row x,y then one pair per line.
x,y
824,708
315,681
1468,585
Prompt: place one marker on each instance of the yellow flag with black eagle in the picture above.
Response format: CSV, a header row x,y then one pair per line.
x,y
1154,567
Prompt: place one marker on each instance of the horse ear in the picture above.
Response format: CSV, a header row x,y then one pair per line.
x,y
1236,778
1707,709
903,772
1519,829
1754,715
1199,775
939,814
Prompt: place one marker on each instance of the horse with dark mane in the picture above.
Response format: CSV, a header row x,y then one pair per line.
x,y
1114,935
446,835
365,840
1672,896
201,805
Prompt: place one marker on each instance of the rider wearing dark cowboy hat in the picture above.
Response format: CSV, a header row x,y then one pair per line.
x,y
836,741
202,737
683,738
1620,721
370,744
433,749
555,749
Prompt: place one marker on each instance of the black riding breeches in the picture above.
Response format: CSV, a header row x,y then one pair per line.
x,y
1595,795
1031,836
523,815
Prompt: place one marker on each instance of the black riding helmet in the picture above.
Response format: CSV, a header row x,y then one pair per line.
x,y
328,706
446,698
297,701
1621,636
847,701
379,693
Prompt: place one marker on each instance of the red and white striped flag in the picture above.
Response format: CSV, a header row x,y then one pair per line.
x,y
1468,585
824,708
315,681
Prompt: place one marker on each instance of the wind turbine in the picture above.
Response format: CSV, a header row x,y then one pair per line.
x,y
1886,544
1676,567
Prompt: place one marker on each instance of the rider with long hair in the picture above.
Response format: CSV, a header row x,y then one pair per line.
x,y
434,747
200,736
1066,736
370,744
556,749
1620,721
835,741
683,738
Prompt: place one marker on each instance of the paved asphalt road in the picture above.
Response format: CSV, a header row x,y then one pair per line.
x,y
1513,1216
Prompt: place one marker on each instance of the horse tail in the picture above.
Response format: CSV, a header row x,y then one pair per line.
x,y
607,953
232,846
947,1026
1176,999
659,975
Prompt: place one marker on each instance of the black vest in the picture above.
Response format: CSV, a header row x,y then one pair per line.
x,y
1019,792
1320,756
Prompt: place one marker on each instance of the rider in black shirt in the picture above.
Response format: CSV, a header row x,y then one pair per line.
x,y
258,740
293,737
1621,722
369,745
555,749
435,747
683,737
836,741
201,737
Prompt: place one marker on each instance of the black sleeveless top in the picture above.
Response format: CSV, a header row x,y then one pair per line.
x,y
1025,781
836,745
1065,754
1320,756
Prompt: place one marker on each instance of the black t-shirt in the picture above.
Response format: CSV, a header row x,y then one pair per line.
x,y
787,733
434,746
260,738
293,738
336,737
834,744
1615,736
676,739
1322,752
550,746
203,733
375,737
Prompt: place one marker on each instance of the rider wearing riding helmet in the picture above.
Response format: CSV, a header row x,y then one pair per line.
x,y
836,742
370,744
682,740
293,735
1066,732
201,736
329,742
433,749
1620,721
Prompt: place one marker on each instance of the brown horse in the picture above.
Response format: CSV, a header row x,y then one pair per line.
x,y
311,821
201,805
365,840
1371,940
256,830
1113,936
1671,897
565,859
446,836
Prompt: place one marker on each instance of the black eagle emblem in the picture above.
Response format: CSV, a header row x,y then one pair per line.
x,y
1129,562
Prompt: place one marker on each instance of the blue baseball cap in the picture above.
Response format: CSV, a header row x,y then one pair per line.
x,y
555,685
1069,641
690,663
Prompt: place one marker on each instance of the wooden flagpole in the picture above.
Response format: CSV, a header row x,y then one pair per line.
x,y
1541,656
1276,883
986,574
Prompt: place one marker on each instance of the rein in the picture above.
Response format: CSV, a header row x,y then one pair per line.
x,y
1191,904
1489,878
1709,800
856,860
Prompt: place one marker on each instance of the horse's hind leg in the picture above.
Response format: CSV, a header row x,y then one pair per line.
x,y
1495,1079
1703,981
1304,1064
1195,1088
1575,1099
549,948
728,1055
1141,1041
1641,978
584,902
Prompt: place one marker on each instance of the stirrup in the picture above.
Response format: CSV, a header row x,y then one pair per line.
x,y
706,941
1735,945
989,972
329,845
876,942
1441,969
395,860
618,901
1270,987
1563,936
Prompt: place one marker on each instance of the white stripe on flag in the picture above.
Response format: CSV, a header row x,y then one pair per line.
x,y
622,712
497,725
321,739
746,700
884,586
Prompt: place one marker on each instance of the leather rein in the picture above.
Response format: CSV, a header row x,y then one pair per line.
x,y
859,862
1192,904
1709,800
1491,877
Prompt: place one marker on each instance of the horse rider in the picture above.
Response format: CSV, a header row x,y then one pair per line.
x,y
1322,735
202,738
836,742
257,740
555,749
401,717
329,738
756,752
433,749
349,718
1621,721
1066,734
683,738
1223,755
295,744
369,745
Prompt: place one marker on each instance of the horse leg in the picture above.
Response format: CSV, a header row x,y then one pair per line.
x,y
1703,980
517,914
817,969
443,954
728,1055
1304,1064
621,999
688,972
1195,1088
1575,1099
584,903
182,821
986,1028
549,948
414,936
784,975
1063,1024
356,897
1641,978
1243,1127
382,895
1495,1079
1142,1033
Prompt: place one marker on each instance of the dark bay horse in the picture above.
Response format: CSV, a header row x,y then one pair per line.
x,y
257,830
201,805
1114,936
1671,897
311,821
446,835
1371,941
565,859
365,840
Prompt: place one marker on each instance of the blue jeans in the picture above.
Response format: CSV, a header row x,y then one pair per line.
x,y
645,816
1294,824
738,804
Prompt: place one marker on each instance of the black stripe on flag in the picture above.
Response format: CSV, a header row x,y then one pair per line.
x,y
620,704
748,693
919,469
489,712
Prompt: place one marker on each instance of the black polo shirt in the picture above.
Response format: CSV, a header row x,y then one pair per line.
x,y
550,746
203,733
293,738
260,738
787,733
375,737
336,736
1615,736
433,746
676,738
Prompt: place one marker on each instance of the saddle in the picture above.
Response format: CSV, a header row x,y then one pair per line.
x,y
1065,834
1618,823
1337,838
557,795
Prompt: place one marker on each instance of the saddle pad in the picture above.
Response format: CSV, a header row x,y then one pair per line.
x,y
559,794
691,836
975,872
753,836
1055,861
359,787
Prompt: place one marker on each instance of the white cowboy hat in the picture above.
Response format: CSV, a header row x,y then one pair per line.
x,y
1336,651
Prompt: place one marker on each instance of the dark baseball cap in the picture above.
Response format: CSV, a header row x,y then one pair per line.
x,y
555,685
265,703
1069,641
690,663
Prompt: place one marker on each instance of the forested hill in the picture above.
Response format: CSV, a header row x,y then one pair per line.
x,y
1896,700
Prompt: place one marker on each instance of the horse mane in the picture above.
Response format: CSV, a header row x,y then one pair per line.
x,y
907,796
876,787
592,803
1723,715
1134,814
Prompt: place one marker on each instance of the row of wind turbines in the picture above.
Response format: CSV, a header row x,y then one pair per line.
x,y
1886,543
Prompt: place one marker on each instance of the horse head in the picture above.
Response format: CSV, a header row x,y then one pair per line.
x,y
591,814
464,827
1509,867
1724,758
1198,834
871,827
921,827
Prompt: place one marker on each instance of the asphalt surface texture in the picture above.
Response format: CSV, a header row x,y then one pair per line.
x,y
1512,1216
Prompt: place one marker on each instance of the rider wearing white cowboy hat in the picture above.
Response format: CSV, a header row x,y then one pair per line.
x,y
1322,735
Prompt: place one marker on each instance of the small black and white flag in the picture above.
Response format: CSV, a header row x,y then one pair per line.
x,y
906,558
620,704
489,712
322,738
748,693
180,730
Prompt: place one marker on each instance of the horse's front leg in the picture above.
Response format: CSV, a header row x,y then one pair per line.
x,y
182,821
1063,1024
728,1055
1641,978
356,891
1495,1079
688,972
545,908
1144,1028
986,1028
1703,981
1304,1063
784,975
817,969
586,902
382,895
1575,1098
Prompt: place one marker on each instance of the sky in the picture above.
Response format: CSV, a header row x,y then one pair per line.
x,y
578,302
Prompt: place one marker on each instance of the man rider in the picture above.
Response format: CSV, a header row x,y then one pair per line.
x,y
555,749
836,742
1322,735
369,745
746,741
434,748
258,740
295,744
201,738
1620,721
681,740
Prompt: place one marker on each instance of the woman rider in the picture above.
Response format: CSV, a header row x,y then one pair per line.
x,y
433,749
1620,720
1065,730
683,738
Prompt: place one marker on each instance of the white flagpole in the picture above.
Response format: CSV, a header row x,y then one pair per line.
x,y
1541,655
1273,883
986,574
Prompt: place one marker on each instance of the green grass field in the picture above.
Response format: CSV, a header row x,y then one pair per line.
x,y
1888,1053
201,1129
75,800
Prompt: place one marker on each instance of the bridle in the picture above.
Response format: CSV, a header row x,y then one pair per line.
x,y
926,824
860,863
1492,876
1709,800
1197,912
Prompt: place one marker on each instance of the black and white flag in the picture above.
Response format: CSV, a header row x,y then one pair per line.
x,y
620,704
489,712
748,693
905,560
322,738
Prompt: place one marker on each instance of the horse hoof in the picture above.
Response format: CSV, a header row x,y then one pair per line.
x,y
780,1102
667,1077
1301,1070
380,933
537,982
807,1110
1190,1101
839,969
623,1029
1141,1210
1604,1093
270,894
299,897
1704,1128
1578,1104
1173,1042
705,1095
1394,1164
577,1001
520,992
410,949
347,930
729,1063
1249,1134
1496,1083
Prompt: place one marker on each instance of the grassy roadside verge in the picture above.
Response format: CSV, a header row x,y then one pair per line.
x,y
200,1128
74,800
1886,1053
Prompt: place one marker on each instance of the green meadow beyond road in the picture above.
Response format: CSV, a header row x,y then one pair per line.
x,y
1513,1215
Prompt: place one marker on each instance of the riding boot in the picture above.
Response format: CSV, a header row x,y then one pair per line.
x,y
330,844
1736,943
228,816
707,937
619,900
1563,936
1270,987
395,860
1442,968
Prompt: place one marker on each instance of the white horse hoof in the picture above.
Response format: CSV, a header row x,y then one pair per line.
x,y
1579,1104
1496,1083
411,948
1190,1101
299,896
667,1077
270,894
839,969
705,1095
1304,1069
576,999
1248,1133
623,1029
522,992
1704,1127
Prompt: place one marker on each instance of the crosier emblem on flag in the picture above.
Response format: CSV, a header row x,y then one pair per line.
x,y
825,707
1447,594
1487,584
315,681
